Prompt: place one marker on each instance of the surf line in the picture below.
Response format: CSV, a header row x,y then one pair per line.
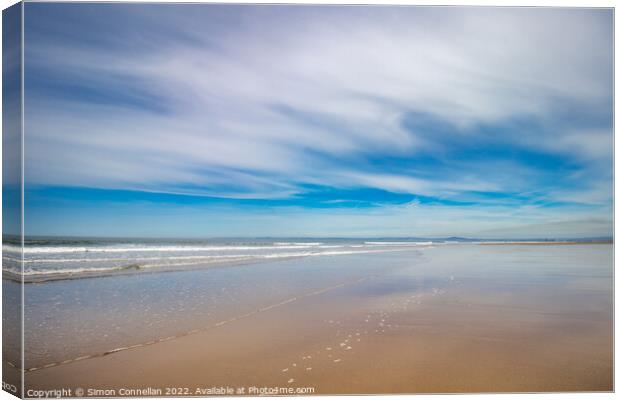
x,y
195,331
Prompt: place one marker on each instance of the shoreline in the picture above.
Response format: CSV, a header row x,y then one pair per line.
x,y
415,327
137,268
567,243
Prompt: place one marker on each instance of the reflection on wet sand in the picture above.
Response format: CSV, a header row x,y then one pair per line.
x,y
454,318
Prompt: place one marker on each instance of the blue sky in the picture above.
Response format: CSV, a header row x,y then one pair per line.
x,y
223,120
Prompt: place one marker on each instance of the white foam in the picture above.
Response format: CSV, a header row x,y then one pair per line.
x,y
298,243
137,249
398,243
83,264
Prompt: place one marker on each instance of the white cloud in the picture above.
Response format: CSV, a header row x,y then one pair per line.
x,y
269,98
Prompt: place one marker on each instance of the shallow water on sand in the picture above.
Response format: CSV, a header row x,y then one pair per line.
x,y
447,318
73,318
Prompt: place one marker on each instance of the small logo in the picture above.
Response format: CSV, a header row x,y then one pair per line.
x,y
79,392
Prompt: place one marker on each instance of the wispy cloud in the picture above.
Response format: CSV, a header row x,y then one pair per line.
x,y
483,105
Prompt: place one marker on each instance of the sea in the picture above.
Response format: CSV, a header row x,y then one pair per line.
x,y
152,290
67,258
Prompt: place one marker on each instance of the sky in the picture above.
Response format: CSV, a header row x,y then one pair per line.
x,y
273,120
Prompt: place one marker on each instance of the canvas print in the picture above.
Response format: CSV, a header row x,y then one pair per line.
x,y
233,199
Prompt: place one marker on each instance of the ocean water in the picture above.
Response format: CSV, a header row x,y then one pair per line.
x,y
49,259
145,289
70,318
171,295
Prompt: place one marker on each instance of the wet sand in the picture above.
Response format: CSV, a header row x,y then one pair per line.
x,y
462,318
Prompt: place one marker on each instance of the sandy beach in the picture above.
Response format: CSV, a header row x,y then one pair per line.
x,y
441,319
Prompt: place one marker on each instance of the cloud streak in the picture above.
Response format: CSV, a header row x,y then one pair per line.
x,y
482,105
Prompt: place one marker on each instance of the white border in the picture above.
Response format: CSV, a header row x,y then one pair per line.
x,y
505,3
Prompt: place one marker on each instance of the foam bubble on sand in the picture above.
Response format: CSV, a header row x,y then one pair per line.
x,y
309,369
291,380
285,369
337,360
